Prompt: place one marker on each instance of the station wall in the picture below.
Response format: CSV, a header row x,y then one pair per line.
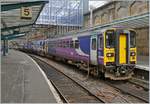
x,y
120,9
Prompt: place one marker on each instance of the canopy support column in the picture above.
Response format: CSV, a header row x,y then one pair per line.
x,y
4,48
6,40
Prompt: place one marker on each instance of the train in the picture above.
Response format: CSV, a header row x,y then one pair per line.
x,y
109,52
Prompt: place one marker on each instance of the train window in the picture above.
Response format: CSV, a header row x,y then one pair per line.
x,y
110,39
101,42
76,43
94,44
43,45
40,43
64,44
71,44
67,44
56,44
132,39
53,44
59,43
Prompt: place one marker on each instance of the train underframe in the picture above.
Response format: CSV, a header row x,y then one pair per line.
x,y
119,72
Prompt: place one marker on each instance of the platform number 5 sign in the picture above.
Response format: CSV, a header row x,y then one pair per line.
x,y
26,13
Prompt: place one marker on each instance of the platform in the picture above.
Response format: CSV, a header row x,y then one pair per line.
x,y
23,82
143,63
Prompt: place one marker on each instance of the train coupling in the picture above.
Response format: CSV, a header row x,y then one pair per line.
x,y
121,70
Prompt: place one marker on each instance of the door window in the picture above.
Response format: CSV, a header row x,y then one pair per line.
x,y
76,44
101,42
94,44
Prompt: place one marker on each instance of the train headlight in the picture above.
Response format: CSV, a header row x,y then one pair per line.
x,y
132,54
110,54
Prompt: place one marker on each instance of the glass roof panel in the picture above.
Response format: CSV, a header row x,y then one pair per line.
x,y
62,12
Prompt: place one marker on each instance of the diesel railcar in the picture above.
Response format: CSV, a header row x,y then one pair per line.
x,y
109,52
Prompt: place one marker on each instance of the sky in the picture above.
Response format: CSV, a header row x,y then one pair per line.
x,y
96,3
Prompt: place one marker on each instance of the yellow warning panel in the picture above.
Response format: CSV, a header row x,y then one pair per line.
x,y
26,13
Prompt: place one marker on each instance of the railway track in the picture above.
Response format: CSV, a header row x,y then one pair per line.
x,y
131,89
69,90
125,87
142,83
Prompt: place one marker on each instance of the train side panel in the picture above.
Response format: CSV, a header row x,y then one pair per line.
x,y
78,52
84,48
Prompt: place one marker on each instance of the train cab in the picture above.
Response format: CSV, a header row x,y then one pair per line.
x,y
119,53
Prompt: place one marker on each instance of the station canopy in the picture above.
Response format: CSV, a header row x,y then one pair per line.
x,y
137,21
18,16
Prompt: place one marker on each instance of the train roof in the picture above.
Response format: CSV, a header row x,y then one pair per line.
x,y
87,33
78,34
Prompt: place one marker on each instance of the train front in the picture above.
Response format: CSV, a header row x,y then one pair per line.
x,y
119,53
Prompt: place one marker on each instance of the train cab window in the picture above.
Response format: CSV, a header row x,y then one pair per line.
x,y
110,39
76,43
94,44
132,39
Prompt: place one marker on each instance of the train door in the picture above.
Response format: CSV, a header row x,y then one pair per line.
x,y
93,50
122,48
